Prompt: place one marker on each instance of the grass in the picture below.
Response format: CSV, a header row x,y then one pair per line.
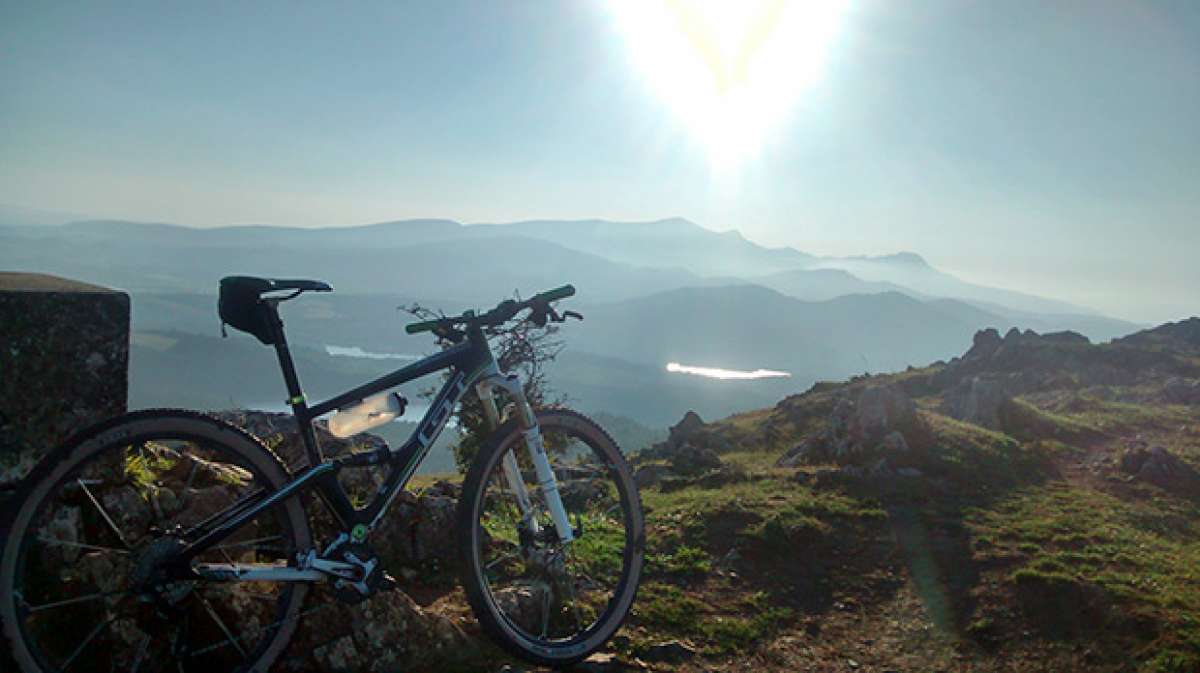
x,y
1128,568
731,628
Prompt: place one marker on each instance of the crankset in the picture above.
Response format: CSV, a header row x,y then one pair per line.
x,y
354,568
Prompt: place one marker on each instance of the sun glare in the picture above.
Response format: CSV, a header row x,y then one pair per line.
x,y
730,69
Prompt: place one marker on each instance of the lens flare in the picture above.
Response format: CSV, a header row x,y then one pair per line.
x,y
730,69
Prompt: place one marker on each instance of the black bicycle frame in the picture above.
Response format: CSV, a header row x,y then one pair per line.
x,y
466,360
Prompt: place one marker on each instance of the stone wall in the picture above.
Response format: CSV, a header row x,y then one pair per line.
x,y
64,363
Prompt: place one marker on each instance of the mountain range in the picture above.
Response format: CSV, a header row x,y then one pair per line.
x,y
652,292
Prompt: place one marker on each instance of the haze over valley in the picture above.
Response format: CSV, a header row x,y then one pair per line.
x,y
658,293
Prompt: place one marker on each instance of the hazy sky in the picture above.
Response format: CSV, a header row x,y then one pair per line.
x,y
1048,146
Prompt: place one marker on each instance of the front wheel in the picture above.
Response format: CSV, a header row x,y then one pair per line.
x,y
545,602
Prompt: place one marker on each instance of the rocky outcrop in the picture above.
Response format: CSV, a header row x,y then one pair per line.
x,y
412,536
387,632
860,431
1178,390
1158,466
692,456
64,354
1027,362
1182,336
979,400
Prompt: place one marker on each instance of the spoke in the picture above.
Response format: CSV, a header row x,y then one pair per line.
x,y
81,545
99,627
574,598
503,558
79,599
137,661
247,543
103,513
545,611
224,629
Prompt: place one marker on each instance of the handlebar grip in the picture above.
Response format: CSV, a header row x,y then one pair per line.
x,y
418,327
557,293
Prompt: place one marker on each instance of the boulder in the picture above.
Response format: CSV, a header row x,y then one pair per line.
x,y
882,408
1179,390
387,632
1158,466
977,400
673,651
689,434
691,461
984,345
650,475
416,531
689,424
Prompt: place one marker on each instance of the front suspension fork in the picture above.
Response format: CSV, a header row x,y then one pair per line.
x,y
532,435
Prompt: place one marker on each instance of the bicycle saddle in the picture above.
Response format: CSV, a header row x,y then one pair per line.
x,y
242,306
261,285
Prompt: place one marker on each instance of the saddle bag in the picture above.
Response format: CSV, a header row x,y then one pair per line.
x,y
241,307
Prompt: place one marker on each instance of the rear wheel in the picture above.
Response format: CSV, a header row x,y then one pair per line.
x,y
81,587
545,602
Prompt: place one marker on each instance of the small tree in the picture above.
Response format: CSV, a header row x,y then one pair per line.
x,y
520,347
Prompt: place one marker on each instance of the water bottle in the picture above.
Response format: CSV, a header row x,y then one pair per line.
x,y
371,412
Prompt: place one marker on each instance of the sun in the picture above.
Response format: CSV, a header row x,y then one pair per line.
x,y
729,69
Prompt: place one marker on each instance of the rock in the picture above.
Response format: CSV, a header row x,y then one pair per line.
x,y
387,632
977,400
894,443
851,472
601,662
796,455
688,432
1181,391
883,408
672,651
1160,467
986,343
725,474
909,472
802,477
416,530
689,460
1065,337
730,560
689,424
650,475
882,470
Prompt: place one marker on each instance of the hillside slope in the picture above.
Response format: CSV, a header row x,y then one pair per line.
x,y
1030,506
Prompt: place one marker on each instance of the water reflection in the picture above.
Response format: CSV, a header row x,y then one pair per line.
x,y
715,373
356,352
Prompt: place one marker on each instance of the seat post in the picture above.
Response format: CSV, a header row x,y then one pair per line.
x,y
292,381
286,364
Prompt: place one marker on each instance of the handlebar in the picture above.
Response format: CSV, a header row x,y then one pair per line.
x,y
503,312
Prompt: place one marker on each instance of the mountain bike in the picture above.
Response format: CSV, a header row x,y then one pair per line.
x,y
168,540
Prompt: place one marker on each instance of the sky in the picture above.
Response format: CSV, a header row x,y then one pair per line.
x,y
1049,146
